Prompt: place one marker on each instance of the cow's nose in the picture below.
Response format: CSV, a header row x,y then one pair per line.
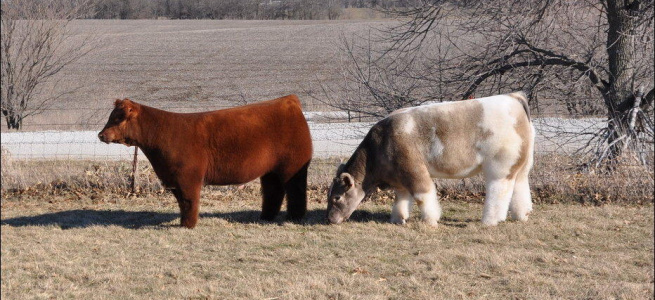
x,y
334,220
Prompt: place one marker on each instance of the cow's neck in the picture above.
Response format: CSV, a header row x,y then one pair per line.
x,y
148,136
361,168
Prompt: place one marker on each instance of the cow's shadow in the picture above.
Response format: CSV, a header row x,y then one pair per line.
x,y
82,218
313,217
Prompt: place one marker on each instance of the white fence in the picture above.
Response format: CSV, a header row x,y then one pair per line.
x,y
330,139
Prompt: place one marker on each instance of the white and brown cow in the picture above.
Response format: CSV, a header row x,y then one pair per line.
x,y
404,151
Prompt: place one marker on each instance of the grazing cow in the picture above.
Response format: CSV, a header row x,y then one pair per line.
x,y
269,139
404,151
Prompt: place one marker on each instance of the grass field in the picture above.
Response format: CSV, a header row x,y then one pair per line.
x,y
589,237
115,247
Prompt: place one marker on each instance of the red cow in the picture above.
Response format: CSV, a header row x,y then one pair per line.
x,y
269,139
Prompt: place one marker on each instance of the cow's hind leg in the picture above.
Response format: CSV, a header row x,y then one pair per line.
x,y
296,189
273,194
402,207
496,204
188,198
521,203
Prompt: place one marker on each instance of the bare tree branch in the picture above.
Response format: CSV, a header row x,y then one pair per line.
x,y
588,56
36,45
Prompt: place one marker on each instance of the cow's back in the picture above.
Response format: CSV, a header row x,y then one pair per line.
x,y
248,141
454,139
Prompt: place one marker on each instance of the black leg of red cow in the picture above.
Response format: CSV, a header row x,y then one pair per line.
x,y
296,189
188,198
273,194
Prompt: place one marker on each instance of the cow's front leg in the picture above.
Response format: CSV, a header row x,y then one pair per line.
x,y
422,188
429,205
402,207
188,198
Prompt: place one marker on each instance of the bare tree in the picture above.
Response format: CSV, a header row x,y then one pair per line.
x,y
36,43
554,49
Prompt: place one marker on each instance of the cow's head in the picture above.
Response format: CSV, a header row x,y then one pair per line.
x,y
344,196
121,126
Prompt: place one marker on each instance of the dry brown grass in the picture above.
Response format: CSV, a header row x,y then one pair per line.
x,y
83,236
119,248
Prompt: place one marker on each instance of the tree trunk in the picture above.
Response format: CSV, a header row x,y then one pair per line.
x,y
616,130
14,121
621,56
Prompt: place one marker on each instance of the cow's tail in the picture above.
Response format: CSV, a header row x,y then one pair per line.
x,y
523,99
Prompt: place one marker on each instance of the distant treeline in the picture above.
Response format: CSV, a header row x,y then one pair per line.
x,y
235,9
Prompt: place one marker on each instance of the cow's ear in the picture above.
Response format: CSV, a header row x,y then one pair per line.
x,y
118,103
128,105
131,109
348,180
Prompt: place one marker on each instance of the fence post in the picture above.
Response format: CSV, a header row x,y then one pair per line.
x,y
134,170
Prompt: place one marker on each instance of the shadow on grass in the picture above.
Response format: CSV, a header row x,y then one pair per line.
x,y
82,218
313,217
457,222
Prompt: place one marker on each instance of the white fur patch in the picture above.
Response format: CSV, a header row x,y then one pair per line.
x,y
429,205
436,149
402,207
499,117
442,106
496,203
409,126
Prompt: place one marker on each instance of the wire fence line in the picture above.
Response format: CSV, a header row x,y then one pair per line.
x,y
70,133
73,149
334,134
84,119
330,139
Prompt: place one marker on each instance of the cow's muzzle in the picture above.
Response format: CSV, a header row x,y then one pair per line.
x,y
335,219
103,137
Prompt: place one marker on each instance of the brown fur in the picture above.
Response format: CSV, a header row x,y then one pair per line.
x,y
523,129
269,139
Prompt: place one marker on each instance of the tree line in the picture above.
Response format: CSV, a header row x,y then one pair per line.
x,y
235,9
